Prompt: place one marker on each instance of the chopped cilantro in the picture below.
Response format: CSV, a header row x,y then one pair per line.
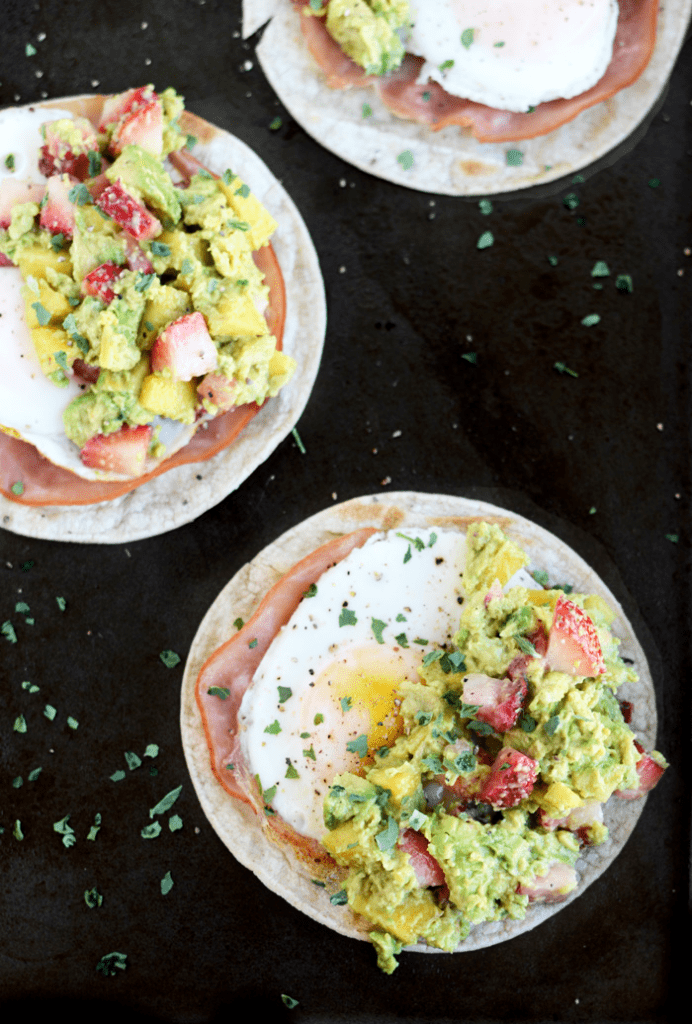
x,y
291,772
571,201
299,443
160,249
132,760
623,283
514,157
551,725
93,898
284,693
600,269
143,281
654,182
243,191
432,656
66,831
525,645
72,722
50,712
9,161
253,644
19,724
498,44
29,50
470,357
402,640
421,641
151,831
219,691
486,240
17,487
17,830
563,368
673,537
318,719
94,163
553,261
275,124
186,267
386,840
346,703
406,159
61,603
311,591
592,510
426,97
175,822
56,242
591,320
347,617
111,962
166,884
18,782
289,1002
34,774
485,206
367,110
358,746
527,722
274,729
42,314
377,626
433,764
238,623
467,37
169,658
95,828
166,802
79,194
446,65
541,577
310,753
339,899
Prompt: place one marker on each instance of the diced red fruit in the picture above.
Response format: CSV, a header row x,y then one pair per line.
x,y
499,701
649,771
128,212
98,282
427,870
57,213
219,390
85,371
573,646
578,820
123,452
553,887
185,348
626,707
56,158
512,777
13,192
97,185
143,128
5,261
123,103
135,256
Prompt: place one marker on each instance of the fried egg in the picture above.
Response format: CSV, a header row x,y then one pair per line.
x,y
325,692
513,55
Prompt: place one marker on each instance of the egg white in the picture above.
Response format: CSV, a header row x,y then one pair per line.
x,y
513,54
342,680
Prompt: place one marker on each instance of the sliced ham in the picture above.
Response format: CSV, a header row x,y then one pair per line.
x,y
632,49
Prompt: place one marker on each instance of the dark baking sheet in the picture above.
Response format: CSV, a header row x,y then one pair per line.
x,y
602,459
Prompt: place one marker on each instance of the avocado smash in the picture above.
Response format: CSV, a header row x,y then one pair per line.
x,y
513,741
366,30
146,292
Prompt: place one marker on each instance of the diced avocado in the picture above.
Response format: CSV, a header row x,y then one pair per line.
x,y
144,173
93,244
120,326
366,31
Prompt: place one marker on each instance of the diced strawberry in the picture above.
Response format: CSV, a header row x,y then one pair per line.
x,y
97,185
57,213
123,452
649,771
135,256
219,390
573,646
427,870
626,707
499,701
185,348
554,887
128,212
57,157
5,261
512,777
143,128
13,192
98,282
123,103
85,371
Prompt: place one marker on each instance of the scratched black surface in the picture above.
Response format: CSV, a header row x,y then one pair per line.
x,y
409,295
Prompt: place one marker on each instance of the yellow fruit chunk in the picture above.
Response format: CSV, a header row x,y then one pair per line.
x,y
234,317
402,781
249,210
49,302
33,260
416,911
343,842
166,304
175,399
558,800
48,341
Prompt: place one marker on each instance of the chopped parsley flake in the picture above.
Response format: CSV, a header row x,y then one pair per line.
x,y
169,658
80,195
485,206
110,963
160,249
56,242
347,617
446,65
29,50
166,884
219,691
367,110
311,591
318,719
289,1002
541,577
238,623
274,729
151,831
402,640
94,163
654,182
563,368
17,488
673,537
470,357
486,240
467,37
527,722
50,712
386,840
339,899
591,320
514,157
623,283
175,822
72,722
291,772
571,201
377,626
525,645
600,269
42,314
118,775
95,828
166,802
406,159
346,704
19,724
9,161
34,774
275,124
284,693
66,831
93,898
358,746
310,753
17,830
299,443
243,191
132,760
551,725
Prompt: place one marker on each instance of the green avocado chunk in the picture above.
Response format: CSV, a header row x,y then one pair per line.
x,y
142,172
366,31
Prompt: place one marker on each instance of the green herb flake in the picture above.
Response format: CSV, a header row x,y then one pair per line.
x,y
169,658
485,206
285,692
563,368
160,249
591,320
347,617
275,124
402,640
525,645
66,831
17,488
553,261
406,159
291,772
118,775
50,712
93,898
446,65
470,357
498,44
17,782
17,830
166,802
600,269
110,963
9,161
19,724
151,831
624,283
132,760
80,195
222,692
29,50
432,656
289,1002
514,157
95,828
339,899
592,510
486,240
386,840
358,746
310,753
143,281
274,729
571,201
527,722
674,538
541,577
550,727
467,37
175,822
654,182
377,626
34,774
346,704
243,191
94,162
318,719
238,623
56,242
299,443
42,314
311,591
426,97
366,110
166,884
